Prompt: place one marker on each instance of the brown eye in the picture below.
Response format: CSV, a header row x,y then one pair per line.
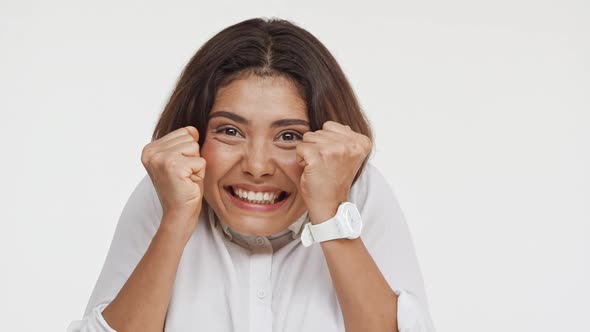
x,y
291,136
229,131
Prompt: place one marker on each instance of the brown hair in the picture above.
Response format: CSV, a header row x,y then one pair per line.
x,y
263,47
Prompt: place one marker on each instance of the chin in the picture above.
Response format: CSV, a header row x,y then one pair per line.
x,y
250,225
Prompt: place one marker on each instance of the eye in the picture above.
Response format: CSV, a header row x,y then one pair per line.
x,y
289,136
229,131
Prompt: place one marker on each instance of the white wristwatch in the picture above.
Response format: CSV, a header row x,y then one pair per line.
x,y
346,224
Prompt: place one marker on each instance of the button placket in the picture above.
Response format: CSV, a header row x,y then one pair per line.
x,y
260,285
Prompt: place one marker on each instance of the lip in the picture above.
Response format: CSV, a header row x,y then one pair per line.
x,y
252,206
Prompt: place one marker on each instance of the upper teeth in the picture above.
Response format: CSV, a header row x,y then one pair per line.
x,y
256,196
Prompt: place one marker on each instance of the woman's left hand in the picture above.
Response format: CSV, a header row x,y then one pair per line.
x,y
331,157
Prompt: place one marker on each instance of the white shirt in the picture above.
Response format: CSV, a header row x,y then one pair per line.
x,y
227,281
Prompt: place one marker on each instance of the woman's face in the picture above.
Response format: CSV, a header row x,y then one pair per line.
x,y
252,175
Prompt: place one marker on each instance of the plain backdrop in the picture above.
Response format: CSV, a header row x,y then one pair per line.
x,y
481,112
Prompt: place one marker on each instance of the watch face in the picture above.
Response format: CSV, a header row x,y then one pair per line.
x,y
353,217
348,222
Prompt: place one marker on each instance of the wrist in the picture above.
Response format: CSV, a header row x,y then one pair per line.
x,y
178,226
323,213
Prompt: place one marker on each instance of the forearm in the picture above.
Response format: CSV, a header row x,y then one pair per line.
x,y
142,302
367,301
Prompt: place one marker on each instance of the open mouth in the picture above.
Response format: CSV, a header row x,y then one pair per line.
x,y
262,198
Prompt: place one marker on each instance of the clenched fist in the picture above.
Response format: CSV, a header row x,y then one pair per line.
x,y
177,170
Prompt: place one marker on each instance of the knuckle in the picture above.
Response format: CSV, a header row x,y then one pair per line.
x,y
144,158
146,151
368,143
359,149
147,156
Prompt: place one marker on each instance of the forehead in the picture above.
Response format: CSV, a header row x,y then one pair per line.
x,y
261,99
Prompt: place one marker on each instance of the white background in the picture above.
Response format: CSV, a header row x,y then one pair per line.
x,y
482,119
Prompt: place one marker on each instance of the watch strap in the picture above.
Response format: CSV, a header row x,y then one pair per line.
x,y
328,230
333,228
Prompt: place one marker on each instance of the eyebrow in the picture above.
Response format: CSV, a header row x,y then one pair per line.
x,y
242,120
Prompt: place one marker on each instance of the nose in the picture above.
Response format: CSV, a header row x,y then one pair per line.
x,y
257,160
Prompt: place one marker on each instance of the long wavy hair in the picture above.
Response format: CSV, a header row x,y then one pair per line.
x,y
263,47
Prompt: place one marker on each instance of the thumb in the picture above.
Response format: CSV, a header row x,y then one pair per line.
x,y
194,132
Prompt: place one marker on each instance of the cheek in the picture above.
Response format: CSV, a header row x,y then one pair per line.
x,y
220,159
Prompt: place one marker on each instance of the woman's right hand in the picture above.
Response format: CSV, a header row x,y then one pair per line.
x,y
177,170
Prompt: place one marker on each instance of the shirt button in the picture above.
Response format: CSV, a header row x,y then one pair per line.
x,y
259,241
261,294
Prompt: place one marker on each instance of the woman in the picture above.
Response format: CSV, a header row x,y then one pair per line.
x,y
264,127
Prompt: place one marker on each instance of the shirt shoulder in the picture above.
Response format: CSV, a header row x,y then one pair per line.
x,y
369,185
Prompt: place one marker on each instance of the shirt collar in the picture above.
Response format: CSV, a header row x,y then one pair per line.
x,y
294,228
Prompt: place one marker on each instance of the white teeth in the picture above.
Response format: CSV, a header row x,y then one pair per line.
x,y
256,197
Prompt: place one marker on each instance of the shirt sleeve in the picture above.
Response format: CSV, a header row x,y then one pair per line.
x,y
135,229
411,317
94,322
386,235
